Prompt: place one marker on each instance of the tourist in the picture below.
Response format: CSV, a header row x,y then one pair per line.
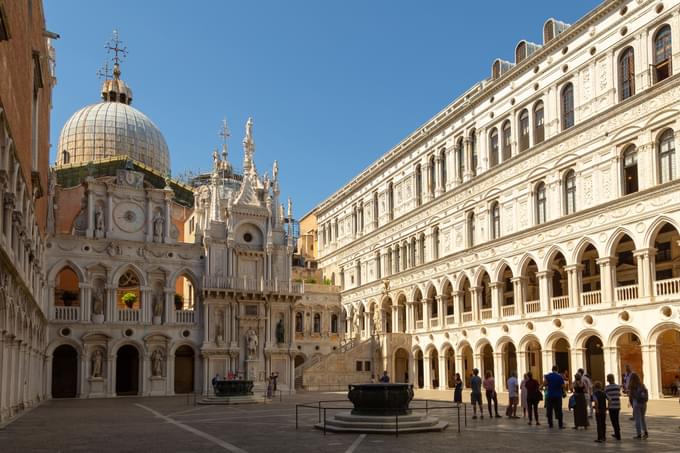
x,y
613,392
372,379
491,396
639,396
274,377
476,394
513,396
600,401
458,389
534,395
588,384
626,382
675,385
385,378
579,396
554,383
269,388
214,381
523,395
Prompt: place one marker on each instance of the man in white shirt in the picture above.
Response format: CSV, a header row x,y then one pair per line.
x,y
513,396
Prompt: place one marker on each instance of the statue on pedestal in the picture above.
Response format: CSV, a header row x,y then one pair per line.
x,y
97,360
158,227
280,332
157,306
251,336
98,302
157,363
99,222
219,330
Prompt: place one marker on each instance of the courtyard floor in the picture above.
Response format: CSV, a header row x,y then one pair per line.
x,y
175,424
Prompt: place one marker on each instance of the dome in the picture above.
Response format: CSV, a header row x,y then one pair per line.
x,y
113,128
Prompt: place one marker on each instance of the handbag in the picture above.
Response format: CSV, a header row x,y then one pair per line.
x,y
572,401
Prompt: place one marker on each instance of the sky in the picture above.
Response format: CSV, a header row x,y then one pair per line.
x,y
331,85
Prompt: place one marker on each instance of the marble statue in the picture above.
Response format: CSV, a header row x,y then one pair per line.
x,y
97,360
157,363
98,302
280,332
157,306
158,224
219,331
99,221
251,335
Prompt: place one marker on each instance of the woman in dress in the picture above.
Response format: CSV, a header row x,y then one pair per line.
x,y
580,409
458,389
523,395
533,396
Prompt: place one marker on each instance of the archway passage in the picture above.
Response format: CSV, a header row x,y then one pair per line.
x,y
299,360
64,372
450,367
668,349
595,359
630,353
400,366
420,369
533,358
434,369
487,360
184,370
466,355
509,363
127,371
561,352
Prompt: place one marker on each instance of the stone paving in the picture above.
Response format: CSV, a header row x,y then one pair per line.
x,y
175,424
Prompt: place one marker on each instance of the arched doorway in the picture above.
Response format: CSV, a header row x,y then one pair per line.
x,y
595,359
533,358
466,356
419,369
184,369
64,372
630,353
668,350
434,368
561,354
400,366
127,370
509,363
487,360
450,361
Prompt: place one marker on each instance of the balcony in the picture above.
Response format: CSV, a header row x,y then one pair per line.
x,y
559,303
419,324
532,306
185,316
450,320
252,285
467,316
625,293
485,313
66,313
128,315
508,310
591,298
667,287
434,322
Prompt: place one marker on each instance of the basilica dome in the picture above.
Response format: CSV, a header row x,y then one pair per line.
x,y
113,128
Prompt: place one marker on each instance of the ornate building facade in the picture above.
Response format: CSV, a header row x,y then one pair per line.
x,y
533,221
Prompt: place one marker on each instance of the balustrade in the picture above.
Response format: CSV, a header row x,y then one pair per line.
x,y
559,303
667,287
128,315
185,317
508,310
467,316
66,313
591,298
624,293
486,313
532,306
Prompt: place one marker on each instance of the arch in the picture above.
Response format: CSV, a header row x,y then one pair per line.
x,y
185,356
662,53
553,338
60,265
65,371
400,359
54,344
581,247
656,226
658,329
497,272
612,242
141,274
429,348
481,343
583,336
526,340
502,341
128,369
594,357
567,106
551,255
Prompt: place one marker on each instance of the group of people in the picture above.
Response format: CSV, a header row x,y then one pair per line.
x,y
587,398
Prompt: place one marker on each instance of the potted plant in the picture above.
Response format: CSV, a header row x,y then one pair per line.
x,y
68,297
129,299
179,302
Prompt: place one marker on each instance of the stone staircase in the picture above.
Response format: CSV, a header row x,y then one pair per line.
x,y
337,369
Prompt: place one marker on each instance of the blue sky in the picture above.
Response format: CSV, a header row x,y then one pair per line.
x,y
332,85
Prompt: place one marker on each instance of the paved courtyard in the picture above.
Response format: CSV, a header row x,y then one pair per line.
x,y
175,424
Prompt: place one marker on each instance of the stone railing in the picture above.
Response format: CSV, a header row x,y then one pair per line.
x,y
185,316
532,306
419,324
591,298
434,322
252,284
486,313
624,293
467,317
667,287
559,303
66,313
128,315
508,310
450,320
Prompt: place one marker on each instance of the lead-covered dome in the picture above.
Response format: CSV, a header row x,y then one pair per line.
x,y
113,128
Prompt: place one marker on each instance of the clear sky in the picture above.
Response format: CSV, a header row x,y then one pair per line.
x,y
332,85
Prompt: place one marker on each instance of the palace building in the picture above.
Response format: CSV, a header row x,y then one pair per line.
x,y
532,222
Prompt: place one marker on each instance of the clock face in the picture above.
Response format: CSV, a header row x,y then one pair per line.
x,y
129,217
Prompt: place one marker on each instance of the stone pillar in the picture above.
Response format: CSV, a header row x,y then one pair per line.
x,y
574,284
90,207
427,366
650,367
426,313
645,269
547,362
441,310
459,368
476,303
499,372
544,290
468,160
409,316
607,279
458,307
496,299
439,188
577,359
395,319
518,295
522,366
443,377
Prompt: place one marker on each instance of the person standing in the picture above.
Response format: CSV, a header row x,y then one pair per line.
x,y
458,389
491,396
600,401
580,409
513,396
476,394
639,396
613,392
626,383
385,378
588,384
554,383
523,395
534,395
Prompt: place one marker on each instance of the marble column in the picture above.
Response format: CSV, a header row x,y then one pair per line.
x,y
544,290
607,279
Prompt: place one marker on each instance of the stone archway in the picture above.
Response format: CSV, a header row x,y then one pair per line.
x,y
534,359
595,358
629,353
668,350
509,363
420,369
434,369
184,369
466,357
400,366
561,356
450,363
64,372
127,370
487,360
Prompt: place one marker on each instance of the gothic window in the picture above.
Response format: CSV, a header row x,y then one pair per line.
x,y
567,103
539,119
460,158
470,229
473,148
442,172
523,130
419,185
667,156
129,291
375,209
493,147
334,323
541,203
432,172
570,192
495,220
317,323
435,243
378,269
361,217
299,327
630,170
358,273
390,200
507,141
662,54
421,240
626,74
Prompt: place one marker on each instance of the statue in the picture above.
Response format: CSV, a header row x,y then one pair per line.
x,y
280,332
158,227
157,363
98,301
275,170
252,343
219,332
216,158
157,306
97,359
99,221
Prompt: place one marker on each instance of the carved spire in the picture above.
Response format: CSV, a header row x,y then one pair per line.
x,y
248,149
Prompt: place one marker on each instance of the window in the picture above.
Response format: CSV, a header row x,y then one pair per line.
x,y
298,322
432,173
539,119
567,102
471,229
460,159
442,170
626,74
570,192
540,203
419,185
473,148
317,323
390,200
507,141
359,365
378,267
524,130
375,209
336,230
662,54
65,157
667,156
630,171
358,273
493,147
421,240
334,323
435,243
495,220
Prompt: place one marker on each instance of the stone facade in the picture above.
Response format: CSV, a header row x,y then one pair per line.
x,y
533,221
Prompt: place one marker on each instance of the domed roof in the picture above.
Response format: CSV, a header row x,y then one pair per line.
x,y
113,128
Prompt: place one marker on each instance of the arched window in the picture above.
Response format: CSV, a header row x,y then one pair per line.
x,y
524,130
507,141
435,243
129,291
442,171
460,159
473,149
567,103
65,157
539,119
390,200
541,203
299,326
570,192
495,220
667,156
626,74
378,266
432,174
422,247
493,147
471,229
630,170
662,54
317,323
334,323
419,185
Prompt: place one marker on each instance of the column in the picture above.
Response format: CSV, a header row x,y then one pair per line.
x,y
410,324
496,299
498,371
90,208
518,284
607,279
468,160
522,366
650,367
547,362
459,368
426,313
544,290
574,284
577,359
443,377
427,366
458,310
476,292
441,310
645,267
439,188
429,183
109,211
395,319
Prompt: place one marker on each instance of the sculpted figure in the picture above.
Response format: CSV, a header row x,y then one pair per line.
x,y
157,306
158,224
157,363
280,332
98,302
252,343
99,220
97,359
